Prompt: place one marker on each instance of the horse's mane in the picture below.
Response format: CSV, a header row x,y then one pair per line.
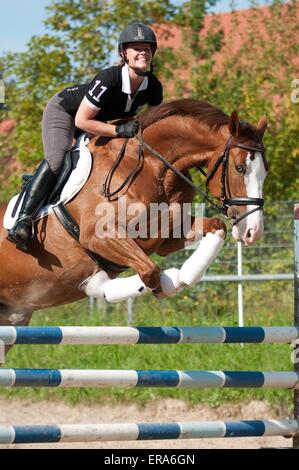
x,y
201,110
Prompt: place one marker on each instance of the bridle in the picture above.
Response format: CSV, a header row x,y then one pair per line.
x,y
223,159
226,202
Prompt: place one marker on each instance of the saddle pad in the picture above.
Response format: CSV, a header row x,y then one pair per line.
x,y
76,181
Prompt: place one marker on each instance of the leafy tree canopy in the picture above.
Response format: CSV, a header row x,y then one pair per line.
x,y
256,79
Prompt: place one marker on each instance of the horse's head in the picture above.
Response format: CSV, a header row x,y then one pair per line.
x,y
240,172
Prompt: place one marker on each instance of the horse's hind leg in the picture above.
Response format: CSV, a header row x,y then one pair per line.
x,y
14,315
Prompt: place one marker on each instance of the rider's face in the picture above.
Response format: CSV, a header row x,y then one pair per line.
x,y
139,55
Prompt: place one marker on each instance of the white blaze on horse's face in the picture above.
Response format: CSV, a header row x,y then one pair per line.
x,y
251,228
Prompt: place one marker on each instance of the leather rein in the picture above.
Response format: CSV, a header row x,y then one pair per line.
x,y
226,202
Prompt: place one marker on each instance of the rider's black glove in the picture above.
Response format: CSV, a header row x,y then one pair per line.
x,y
128,129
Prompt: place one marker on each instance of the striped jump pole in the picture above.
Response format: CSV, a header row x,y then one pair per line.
x,y
10,335
147,378
155,378
146,431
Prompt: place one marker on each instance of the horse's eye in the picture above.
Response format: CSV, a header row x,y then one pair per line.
x,y
241,169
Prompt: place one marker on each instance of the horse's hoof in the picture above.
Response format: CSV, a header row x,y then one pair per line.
x,y
158,293
220,233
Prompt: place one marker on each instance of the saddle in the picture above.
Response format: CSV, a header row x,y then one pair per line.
x,y
74,174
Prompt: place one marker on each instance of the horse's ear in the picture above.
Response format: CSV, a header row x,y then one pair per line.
x,y
262,125
234,124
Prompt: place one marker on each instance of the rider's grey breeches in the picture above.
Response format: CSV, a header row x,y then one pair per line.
x,y
58,132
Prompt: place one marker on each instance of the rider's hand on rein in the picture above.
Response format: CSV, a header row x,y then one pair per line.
x,y
127,129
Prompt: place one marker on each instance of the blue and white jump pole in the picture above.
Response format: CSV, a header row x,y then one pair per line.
x,y
147,378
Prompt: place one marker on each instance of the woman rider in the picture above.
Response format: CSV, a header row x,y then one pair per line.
x,y
114,93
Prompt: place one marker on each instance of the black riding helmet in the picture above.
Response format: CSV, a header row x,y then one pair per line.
x,y
137,32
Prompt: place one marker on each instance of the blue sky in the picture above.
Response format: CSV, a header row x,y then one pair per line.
x,y
21,19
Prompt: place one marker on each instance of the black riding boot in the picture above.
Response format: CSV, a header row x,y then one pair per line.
x,y
38,188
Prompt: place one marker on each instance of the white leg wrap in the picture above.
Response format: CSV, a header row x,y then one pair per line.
x,y
116,290
123,288
170,283
172,280
195,267
95,285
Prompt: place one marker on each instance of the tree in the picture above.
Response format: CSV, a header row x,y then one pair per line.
x,y
256,79
37,75
82,39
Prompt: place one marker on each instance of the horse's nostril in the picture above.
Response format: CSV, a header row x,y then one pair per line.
x,y
249,234
252,235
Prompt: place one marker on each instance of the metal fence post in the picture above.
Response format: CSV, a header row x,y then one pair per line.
x,y
130,311
240,286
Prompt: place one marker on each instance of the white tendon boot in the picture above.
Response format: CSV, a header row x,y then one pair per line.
x,y
117,290
195,267
95,285
122,288
172,280
114,290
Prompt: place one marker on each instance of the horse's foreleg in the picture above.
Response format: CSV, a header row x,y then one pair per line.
x,y
203,225
199,228
212,233
125,251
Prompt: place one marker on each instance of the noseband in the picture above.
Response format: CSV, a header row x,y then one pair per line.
x,y
237,201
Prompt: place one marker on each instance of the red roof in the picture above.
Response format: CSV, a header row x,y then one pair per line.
x,y
6,126
234,36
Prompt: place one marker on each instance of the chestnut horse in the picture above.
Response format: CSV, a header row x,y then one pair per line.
x,y
188,134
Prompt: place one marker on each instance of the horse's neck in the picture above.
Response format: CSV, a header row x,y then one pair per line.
x,y
186,144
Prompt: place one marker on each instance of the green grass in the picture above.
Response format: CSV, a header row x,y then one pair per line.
x,y
266,304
